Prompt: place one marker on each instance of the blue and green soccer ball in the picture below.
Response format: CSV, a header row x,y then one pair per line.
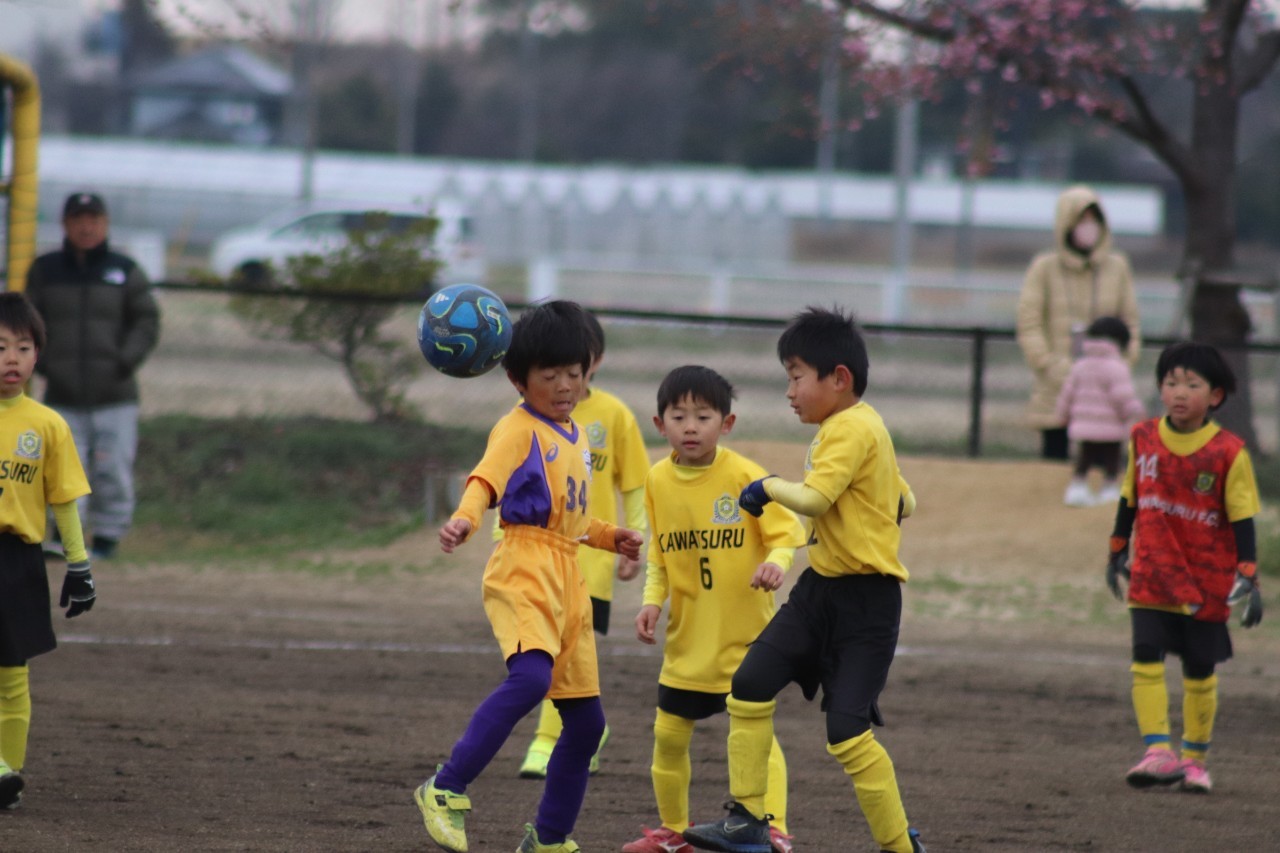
x,y
464,330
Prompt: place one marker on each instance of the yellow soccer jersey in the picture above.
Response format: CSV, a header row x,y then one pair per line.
x,y
702,554
38,466
540,472
619,463
851,462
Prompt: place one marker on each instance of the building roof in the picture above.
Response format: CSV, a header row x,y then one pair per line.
x,y
230,69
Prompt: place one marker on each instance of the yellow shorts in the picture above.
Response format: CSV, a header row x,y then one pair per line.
x,y
597,569
535,598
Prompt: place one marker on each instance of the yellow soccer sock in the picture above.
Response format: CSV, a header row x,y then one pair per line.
x,y
549,725
1151,703
750,740
1199,708
775,796
671,769
15,715
876,787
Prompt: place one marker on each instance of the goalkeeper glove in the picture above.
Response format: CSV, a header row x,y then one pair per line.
x,y
754,497
1246,589
1118,566
77,590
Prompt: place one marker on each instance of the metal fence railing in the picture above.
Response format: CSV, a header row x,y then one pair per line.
x,y
941,389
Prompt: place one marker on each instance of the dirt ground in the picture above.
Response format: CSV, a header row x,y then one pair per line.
x,y
236,708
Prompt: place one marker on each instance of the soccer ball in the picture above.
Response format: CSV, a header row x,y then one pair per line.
x,y
464,330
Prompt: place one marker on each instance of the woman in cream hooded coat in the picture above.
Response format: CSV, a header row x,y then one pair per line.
x,y
1067,288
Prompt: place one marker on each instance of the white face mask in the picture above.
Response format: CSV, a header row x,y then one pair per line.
x,y
1085,235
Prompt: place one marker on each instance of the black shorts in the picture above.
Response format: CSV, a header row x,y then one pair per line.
x,y
1201,645
26,626
690,704
838,633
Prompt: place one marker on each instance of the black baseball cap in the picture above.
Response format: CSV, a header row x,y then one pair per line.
x,y
78,203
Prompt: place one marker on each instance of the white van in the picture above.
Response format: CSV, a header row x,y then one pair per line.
x,y
244,253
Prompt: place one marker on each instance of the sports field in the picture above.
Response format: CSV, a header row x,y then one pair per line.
x,y
237,708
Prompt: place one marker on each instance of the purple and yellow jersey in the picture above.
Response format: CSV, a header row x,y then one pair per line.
x,y
39,466
619,464
703,553
852,463
539,472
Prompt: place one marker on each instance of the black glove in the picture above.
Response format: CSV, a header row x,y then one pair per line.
x,y
754,497
1246,589
1118,566
77,590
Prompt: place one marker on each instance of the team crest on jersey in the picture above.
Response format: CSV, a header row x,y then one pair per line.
x,y
725,510
552,452
597,435
29,445
115,275
1205,481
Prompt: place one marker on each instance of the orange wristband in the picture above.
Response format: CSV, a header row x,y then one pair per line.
x,y
1248,570
1118,544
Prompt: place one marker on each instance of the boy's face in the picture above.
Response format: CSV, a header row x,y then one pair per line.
x,y
813,399
693,427
17,362
1188,398
552,391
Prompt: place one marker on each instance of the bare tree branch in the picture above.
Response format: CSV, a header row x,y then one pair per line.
x,y
1257,64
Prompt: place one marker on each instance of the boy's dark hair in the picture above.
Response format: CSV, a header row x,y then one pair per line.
x,y
1204,359
1110,328
550,334
597,334
19,316
697,383
825,339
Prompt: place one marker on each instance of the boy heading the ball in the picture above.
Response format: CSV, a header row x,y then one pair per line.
x,y
718,568
839,626
536,470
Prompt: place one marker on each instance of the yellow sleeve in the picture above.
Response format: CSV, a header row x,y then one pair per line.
x,y
601,534
908,496
476,498
1130,477
656,586
797,497
782,533
632,460
67,517
633,510
1241,493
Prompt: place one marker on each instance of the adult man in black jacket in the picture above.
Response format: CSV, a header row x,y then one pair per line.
x,y
102,322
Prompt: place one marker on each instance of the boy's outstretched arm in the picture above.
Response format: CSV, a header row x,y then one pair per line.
x,y
796,497
476,498
634,510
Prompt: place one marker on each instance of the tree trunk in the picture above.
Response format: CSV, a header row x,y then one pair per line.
x,y
1218,316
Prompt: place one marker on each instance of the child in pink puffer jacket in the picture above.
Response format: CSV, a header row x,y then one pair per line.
x,y
1098,404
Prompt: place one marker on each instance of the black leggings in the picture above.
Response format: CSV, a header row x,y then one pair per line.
x,y
1098,454
765,671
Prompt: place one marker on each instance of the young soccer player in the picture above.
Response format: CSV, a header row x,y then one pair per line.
x,y
619,464
39,469
719,568
536,470
839,626
1188,501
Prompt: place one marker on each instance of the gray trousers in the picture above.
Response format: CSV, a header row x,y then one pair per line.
x,y
107,441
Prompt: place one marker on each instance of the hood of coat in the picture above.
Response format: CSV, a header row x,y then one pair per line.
x,y
1100,348
1073,202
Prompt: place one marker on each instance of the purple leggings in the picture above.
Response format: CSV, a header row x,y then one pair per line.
x,y
528,679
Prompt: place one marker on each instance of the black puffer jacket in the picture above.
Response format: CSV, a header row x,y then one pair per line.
x,y
102,322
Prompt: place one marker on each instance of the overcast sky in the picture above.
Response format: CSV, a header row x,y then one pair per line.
x,y
22,22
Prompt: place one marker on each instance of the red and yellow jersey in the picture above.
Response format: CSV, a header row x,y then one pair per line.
x,y
852,463
39,466
1187,489
539,472
703,552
